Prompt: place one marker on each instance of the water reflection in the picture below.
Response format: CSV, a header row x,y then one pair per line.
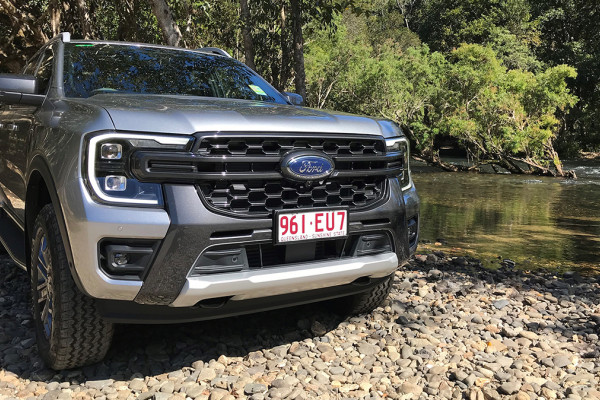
x,y
534,221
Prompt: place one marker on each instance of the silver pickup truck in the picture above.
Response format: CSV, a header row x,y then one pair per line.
x,y
150,184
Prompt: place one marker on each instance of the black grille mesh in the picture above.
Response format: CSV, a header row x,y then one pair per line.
x,y
274,146
260,197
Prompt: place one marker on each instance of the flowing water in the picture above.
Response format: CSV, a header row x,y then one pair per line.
x,y
534,221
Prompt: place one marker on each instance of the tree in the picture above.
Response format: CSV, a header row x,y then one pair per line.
x,y
168,26
446,25
31,23
247,34
403,59
284,73
277,32
298,46
21,36
569,35
84,18
506,117
498,116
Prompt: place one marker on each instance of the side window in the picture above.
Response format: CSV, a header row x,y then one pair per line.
x,y
44,72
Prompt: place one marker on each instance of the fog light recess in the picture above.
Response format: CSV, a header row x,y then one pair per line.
x,y
372,244
126,261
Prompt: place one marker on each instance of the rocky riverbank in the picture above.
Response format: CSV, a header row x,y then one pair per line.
x,y
451,329
589,155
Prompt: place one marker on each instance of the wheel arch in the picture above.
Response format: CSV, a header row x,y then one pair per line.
x,y
41,190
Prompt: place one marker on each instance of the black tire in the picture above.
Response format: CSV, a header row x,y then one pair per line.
x,y
365,302
69,330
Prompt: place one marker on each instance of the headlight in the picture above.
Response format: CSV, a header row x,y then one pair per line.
x,y
401,145
107,167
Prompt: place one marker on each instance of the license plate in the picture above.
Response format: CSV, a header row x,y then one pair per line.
x,y
311,225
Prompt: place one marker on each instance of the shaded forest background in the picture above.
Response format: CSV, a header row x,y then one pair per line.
x,y
512,83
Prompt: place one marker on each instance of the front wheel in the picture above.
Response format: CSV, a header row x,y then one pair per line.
x,y
365,302
69,330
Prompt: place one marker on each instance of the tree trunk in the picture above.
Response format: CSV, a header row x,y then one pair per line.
x,y
55,16
285,50
84,19
247,34
168,26
300,77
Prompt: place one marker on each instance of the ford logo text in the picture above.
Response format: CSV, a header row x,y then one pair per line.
x,y
306,166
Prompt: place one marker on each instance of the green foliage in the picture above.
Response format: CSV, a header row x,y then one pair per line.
x,y
131,21
446,25
569,34
492,74
514,53
469,94
501,113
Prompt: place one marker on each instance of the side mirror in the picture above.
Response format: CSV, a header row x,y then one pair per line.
x,y
294,98
20,89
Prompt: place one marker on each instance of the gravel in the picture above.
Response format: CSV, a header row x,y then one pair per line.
x,y
450,330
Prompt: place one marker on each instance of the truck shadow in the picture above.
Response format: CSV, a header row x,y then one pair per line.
x,y
156,349
151,350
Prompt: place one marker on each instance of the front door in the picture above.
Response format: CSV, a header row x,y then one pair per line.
x,y
16,130
14,139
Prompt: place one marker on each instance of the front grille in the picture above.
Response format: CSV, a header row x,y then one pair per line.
x,y
261,197
239,174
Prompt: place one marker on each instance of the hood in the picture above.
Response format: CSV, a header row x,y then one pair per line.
x,y
187,115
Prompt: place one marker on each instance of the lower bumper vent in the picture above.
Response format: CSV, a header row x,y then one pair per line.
x,y
228,258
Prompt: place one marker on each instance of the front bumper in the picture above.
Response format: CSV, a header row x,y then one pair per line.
x,y
189,227
129,312
288,279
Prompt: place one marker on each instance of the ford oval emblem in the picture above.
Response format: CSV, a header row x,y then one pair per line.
x,y
306,166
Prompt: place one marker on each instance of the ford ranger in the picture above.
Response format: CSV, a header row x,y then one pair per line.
x,y
150,184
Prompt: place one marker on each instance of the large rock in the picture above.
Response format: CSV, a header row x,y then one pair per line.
x,y
509,387
252,388
368,349
410,388
561,360
207,374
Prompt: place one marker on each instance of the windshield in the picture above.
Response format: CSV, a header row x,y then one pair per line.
x,y
95,68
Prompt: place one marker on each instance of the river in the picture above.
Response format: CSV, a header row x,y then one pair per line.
x,y
534,221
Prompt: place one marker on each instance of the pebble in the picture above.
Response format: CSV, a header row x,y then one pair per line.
x,y
207,374
367,349
561,360
410,388
528,335
406,351
253,388
500,304
509,387
451,329
137,385
318,328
